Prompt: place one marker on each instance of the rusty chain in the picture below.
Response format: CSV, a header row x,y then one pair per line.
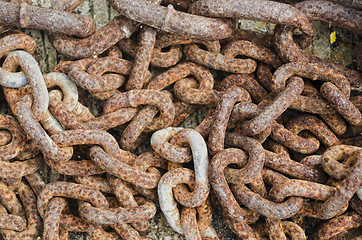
x,y
280,145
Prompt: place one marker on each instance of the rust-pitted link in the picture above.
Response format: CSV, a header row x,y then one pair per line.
x,y
332,155
36,182
278,13
189,224
337,225
35,79
241,229
110,34
28,16
275,229
222,114
255,162
158,58
219,61
111,120
272,177
204,220
16,219
90,77
246,81
284,164
335,122
180,71
127,232
292,230
314,125
300,188
350,3
134,98
165,39
142,59
7,44
275,147
69,91
166,59
264,75
221,189
69,222
10,201
160,144
17,41
34,224
312,71
148,161
250,49
133,134
51,218
170,20
242,111
186,90
265,207
99,137
116,167
113,64
124,194
314,104
342,103
167,203
271,112
76,224
75,167
114,51
292,140
5,137
69,190
204,127
104,122
343,17
312,160
18,169
209,233
16,143
66,66
98,215
345,190
12,222
46,145
200,158
95,181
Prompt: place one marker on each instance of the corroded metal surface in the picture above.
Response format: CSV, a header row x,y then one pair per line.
x,y
80,135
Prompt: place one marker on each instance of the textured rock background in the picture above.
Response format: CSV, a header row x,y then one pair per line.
x,y
100,10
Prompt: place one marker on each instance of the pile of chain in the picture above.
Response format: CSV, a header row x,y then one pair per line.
x,y
280,146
